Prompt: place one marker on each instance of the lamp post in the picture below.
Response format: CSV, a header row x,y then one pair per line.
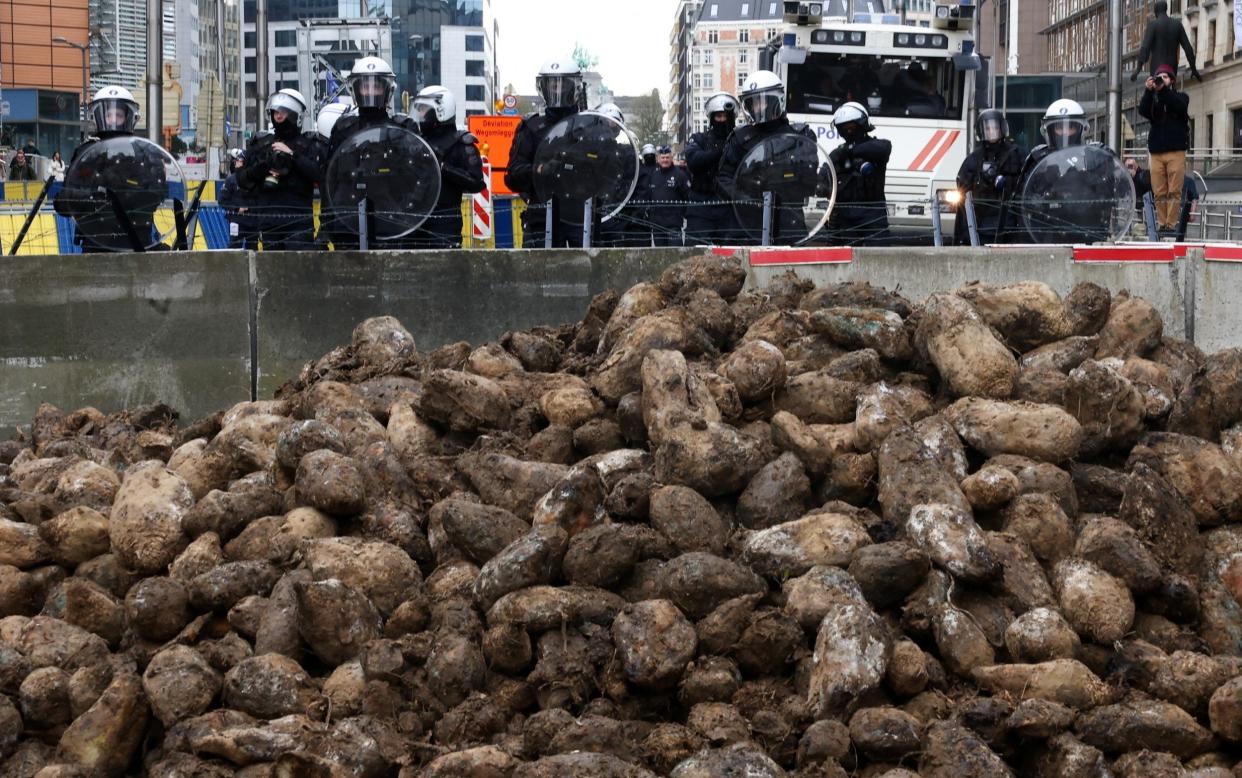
x,y
83,49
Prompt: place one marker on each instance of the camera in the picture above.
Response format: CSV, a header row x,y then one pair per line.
x,y
279,165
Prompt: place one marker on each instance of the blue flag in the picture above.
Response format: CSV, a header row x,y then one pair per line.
x,y
334,86
228,128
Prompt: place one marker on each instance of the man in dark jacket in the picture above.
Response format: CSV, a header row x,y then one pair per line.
x,y
990,173
21,169
861,161
561,87
282,168
461,166
1161,40
1168,140
668,189
710,218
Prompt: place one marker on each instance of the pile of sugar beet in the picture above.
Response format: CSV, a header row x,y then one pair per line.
x,y
704,532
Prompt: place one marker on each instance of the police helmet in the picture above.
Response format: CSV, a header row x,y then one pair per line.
x,y
435,105
372,83
991,126
328,116
560,83
1064,124
763,97
852,120
114,109
722,102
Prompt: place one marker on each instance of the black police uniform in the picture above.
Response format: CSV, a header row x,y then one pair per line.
x,y
283,214
234,200
667,191
710,219
630,228
990,173
139,181
521,179
860,215
461,171
790,223
1067,218
346,238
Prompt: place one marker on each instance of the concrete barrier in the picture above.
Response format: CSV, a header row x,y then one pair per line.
x,y
917,272
309,303
1218,297
117,331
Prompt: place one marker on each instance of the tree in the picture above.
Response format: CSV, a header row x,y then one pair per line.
x,y
648,121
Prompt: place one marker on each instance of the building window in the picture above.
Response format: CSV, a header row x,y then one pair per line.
x,y
696,56
698,81
708,57
475,93
1209,52
741,80
713,36
474,43
745,9
250,40
743,56
771,9
771,33
250,64
286,64
743,36
709,81
714,10
287,38
474,67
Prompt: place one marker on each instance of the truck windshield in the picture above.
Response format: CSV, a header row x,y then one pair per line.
x,y
890,86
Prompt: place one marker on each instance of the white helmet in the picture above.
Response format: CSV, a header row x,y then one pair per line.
x,y
114,109
559,83
612,112
435,105
648,150
1064,125
722,102
290,100
328,116
763,97
852,120
372,83
236,154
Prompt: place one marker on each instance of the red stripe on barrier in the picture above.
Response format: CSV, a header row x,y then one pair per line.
x,y
725,251
1124,253
944,149
1222,253
918,161
801,256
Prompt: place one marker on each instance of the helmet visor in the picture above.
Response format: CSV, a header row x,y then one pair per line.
x,y
764,106
371,91
1062,133
114,115
991,129
424,111
559,91
283,102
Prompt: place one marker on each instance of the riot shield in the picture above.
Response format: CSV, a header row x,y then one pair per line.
x,y
394,169
798,178
113,189
1081,194
587,156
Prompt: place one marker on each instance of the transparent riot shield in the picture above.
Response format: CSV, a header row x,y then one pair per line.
x,y
386,177
785,189
586,164
113,190
1081,194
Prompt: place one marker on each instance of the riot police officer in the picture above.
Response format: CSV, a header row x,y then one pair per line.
x,y
282,168
1064,125
372,83
763,100
237,204
629,228
667,191
136,176
560,85
861,163
710,220
461,166
990,173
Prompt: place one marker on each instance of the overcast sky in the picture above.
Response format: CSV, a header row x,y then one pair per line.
x,y
630,37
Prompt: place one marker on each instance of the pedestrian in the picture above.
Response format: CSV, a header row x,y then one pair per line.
x,y
668,190
56,168
20,167
31,149
461,166
1168,139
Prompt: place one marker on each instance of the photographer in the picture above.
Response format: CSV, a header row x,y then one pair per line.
x,y
1168,139
281,170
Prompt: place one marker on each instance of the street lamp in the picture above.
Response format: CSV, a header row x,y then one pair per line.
x,y
84,50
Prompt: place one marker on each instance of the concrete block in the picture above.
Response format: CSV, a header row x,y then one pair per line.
x,y
115,331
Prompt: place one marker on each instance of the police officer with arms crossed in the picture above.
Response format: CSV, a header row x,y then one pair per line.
x,y
668,189
461,167
561,87
115,113
991,174
861,162
282,168
716,223
763,100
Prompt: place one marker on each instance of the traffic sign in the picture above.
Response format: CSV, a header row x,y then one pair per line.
x,y
510,101
496,132
5,108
